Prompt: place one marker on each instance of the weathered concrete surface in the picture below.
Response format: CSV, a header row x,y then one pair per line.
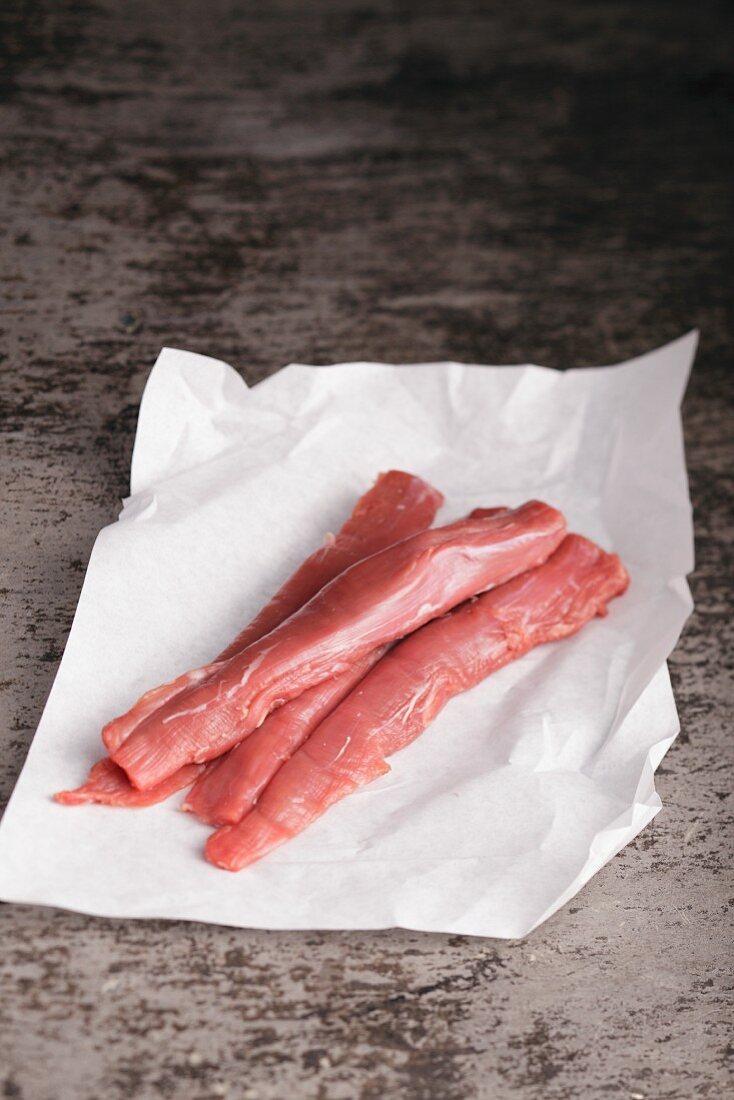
x,y
326,181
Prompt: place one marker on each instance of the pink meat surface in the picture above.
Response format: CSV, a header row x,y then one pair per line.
x,y
231,786
119,729
397,506
373,603
108,785
398,699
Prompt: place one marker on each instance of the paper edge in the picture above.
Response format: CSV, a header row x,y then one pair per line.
x,y
168,361
688,341
642,810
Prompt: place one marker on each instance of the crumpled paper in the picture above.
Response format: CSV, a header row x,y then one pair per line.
x,y
522,789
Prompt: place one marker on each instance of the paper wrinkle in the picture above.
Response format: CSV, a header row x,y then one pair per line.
x,y
172,434
522,788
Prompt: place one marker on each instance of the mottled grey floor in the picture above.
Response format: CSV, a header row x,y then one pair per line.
x,y
324,181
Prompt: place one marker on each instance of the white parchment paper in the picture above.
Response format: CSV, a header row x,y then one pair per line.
x,y
522,789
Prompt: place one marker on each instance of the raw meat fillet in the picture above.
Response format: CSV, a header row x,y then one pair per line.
x,y
397,506
226,788
231,786
372,603
407,689
108,784
119,729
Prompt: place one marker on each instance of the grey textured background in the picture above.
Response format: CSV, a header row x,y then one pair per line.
x,y
324,181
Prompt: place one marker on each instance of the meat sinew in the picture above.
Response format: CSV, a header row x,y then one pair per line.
x,y
230,786
397,506
407,689
374,602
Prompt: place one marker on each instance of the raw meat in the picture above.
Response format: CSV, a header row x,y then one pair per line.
x,y
407,689
230,786
108,784
397,506
119,729
372,603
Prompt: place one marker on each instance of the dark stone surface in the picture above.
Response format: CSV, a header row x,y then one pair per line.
x,y
324,181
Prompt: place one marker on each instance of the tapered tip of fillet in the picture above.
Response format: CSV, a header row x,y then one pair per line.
x,y
104,782
605,569
235,847
206,814
76,797
218,852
